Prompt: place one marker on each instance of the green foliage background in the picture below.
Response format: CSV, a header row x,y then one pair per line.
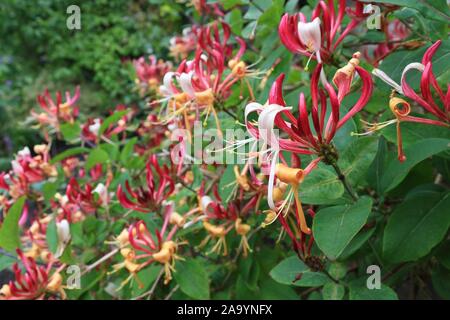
x,y
403,226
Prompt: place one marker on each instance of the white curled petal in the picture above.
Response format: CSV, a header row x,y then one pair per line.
x,y
414,65
25,152
185,81
63,232
388,80
102,193
310,34
205,201
266,123
251,107
271,181
166,88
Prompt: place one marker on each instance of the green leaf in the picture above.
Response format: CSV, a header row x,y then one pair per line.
x,y
227,184
49,189
146,277
115,117
357,242
357,157
397,171
337,270
321,186
234,19
52,236
96,156
335,227
361,292
127,151
429,8
378,166
416,226
192,277
287,271
69,153
9,231
440,278
6,262
271,290
271,16
333,291
70,131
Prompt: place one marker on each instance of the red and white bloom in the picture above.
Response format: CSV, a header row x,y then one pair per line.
x,y
438,109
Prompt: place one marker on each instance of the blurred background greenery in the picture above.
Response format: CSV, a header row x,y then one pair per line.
x,y
38,51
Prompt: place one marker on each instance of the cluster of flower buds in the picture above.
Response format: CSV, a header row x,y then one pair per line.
x,y
181,46
219,220
159,186
203,83
38,282
90,130
26,170
150,74
205,8
139,247
56,112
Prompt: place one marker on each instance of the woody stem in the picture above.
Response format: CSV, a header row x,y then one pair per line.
x,y
341,176
330,157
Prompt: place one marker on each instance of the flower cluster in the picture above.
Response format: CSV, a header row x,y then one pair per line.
x,y
120,194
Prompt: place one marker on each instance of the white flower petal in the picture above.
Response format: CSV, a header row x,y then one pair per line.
x,y
310,34
414,65
388,80
266,123
185,81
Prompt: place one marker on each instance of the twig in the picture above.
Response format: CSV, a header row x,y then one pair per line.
x,y
104,258
149,293
344,181
172,292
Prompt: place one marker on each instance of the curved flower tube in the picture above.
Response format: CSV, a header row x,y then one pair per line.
x,y
438,109
159,186
37,282
320,37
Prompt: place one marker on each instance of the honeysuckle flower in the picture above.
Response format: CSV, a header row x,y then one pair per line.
x,y
219,220
35,240
102,192
203,7
301,137
90,129
26,170
38,282
149,75
159,186
63,232
438,109
181,46
83,198
155,248
57,111
203,83
320,37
